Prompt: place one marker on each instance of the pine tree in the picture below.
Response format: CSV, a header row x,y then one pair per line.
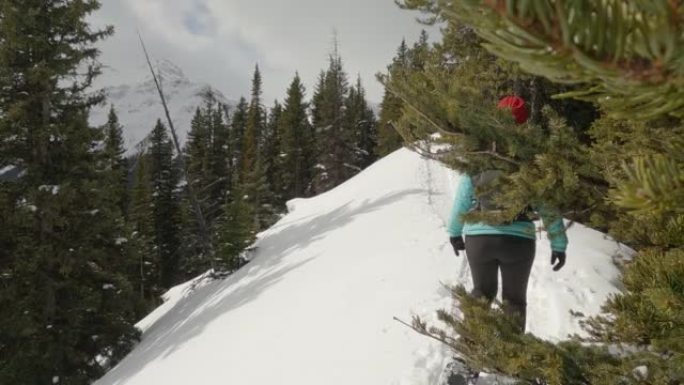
x,y
208,156
237,136
197,150
146,270
134,248
317,110
389,139
623,171
235,231
360,120
116,162
271,155
66,308
297,143
344,125
254,127
219,155
197,158
254,182
164,178
335,143
418,54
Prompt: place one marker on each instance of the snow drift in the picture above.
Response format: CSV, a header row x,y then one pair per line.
x,y
316,304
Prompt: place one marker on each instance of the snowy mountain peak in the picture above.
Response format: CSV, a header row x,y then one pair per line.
x,y
138,105
168,71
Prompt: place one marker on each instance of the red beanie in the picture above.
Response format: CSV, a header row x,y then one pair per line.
x,y
517,106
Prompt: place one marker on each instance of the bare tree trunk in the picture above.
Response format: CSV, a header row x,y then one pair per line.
x,y
142,276
207,246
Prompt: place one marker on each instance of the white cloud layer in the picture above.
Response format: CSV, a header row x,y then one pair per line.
x,y
220,41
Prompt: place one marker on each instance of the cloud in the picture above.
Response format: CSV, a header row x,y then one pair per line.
x,y
220,41
164,17
200,20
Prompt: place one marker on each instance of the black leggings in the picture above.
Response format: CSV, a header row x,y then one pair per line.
x,y
514,256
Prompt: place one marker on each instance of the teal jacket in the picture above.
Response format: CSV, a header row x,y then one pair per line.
x,y
464,202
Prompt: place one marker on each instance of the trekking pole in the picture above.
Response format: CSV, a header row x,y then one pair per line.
x,y
465,267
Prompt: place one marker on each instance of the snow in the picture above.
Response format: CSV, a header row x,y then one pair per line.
x,y
10,173
171,298
6,169
641,372
53,189
316,303
138,105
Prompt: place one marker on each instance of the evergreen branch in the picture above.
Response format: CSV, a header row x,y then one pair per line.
x,y
425,154
653,183
212,184
422,330
631,60
352,167
496,155
625,57
418,111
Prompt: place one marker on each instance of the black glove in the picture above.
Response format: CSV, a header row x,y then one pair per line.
x,y
458,244
558,260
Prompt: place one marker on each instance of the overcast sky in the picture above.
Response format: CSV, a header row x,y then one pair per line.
x,y
220,41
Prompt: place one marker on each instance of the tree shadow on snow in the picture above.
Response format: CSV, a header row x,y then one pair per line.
x,y
275,257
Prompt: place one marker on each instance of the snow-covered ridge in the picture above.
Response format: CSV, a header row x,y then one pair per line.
x,y
138,105
316,304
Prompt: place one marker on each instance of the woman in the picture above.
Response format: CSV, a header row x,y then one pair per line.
x,y
508,247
